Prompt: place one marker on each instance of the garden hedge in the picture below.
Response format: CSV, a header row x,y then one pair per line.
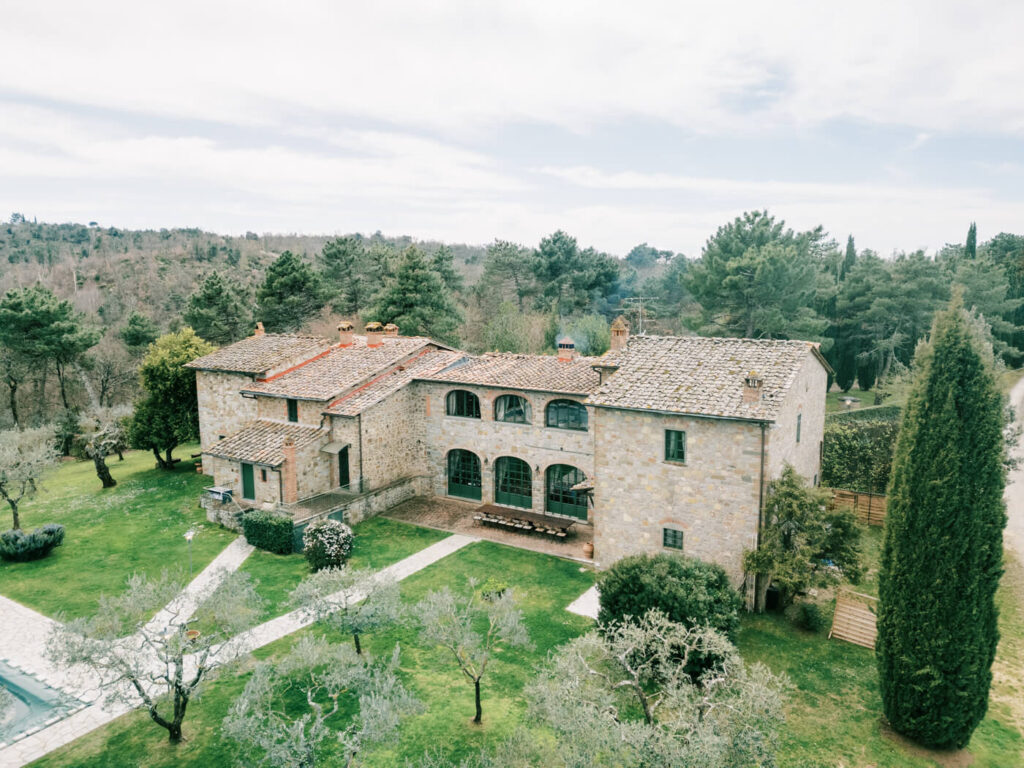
x,y
857,453
268,530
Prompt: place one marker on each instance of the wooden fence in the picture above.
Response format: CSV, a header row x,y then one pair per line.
x,y
868,507
854,620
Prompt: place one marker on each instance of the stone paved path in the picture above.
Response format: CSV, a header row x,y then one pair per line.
x,y
587,604
97,715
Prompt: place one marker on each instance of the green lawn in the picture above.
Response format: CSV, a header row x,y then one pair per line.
x,y
136,526
545,585
379,542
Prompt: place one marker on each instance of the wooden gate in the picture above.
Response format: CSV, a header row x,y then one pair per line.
x,y
854,620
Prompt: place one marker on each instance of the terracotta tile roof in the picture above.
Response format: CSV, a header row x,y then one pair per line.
x,y
260,442
360,399
258,354
542,373
702,376
340,369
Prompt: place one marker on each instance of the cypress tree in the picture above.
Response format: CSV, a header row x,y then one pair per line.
x,y
942,556
971,249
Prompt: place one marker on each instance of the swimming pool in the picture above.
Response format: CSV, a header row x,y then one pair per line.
x,y
35,704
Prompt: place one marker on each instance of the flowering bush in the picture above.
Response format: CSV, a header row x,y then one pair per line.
x,y
327,544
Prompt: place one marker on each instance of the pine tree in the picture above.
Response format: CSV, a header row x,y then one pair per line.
x,y
217,311
971,248
289,296
443,263
139,332
942,556
349,274
417,301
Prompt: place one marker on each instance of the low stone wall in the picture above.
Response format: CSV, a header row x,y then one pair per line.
x,y
227,515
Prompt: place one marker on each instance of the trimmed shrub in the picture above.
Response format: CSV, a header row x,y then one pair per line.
x,y
19,547
857,453
327,544
687,590
268,530
493,588
807,616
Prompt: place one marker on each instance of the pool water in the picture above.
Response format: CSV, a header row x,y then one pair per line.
x,y
34,703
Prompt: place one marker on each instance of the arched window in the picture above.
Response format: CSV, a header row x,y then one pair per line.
x,y
513,482
567,414
512,409
464,474
561,499
459,402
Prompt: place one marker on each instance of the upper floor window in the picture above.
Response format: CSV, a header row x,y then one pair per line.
x,y
799,419
671,538
675,445
567,414
459,402
293,410
512,409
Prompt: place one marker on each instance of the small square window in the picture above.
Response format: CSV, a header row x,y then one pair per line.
x,y
671,538
263,475
293,410
675,445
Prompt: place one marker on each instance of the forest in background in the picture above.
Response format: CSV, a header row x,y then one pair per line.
x,y
100,295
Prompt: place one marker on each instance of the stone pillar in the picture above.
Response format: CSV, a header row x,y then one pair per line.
x,y
289,473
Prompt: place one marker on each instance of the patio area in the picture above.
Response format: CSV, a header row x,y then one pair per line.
x,y
457,517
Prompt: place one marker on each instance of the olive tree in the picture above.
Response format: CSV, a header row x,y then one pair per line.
x,y
326,678
24,456
354,602
471,628
157,664
105,435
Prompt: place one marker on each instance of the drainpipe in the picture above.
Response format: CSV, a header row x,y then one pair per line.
x,y
760,489
359,416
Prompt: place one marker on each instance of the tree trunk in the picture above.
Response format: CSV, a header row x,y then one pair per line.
x,y
102,472
479,710
13,387
359,648
174,732
761,583
63,389
120,454
14,512
160,463
168,459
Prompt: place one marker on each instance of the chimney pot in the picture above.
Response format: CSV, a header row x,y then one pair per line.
x,y
390,329
374,334
346,333
752,386
620,334
566,350
259,329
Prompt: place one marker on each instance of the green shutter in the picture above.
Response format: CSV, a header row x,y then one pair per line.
x,y
248,483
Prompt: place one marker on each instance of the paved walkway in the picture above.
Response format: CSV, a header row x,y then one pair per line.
x,y
97,715
587,604
1014,494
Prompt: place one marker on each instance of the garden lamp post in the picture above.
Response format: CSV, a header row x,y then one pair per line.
x,y
189,535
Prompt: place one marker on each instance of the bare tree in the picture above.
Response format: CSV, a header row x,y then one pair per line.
x,y
355,602
157,664
451,621
24,456
105,435
271,730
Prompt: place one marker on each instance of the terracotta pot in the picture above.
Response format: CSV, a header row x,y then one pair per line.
x,y
588,549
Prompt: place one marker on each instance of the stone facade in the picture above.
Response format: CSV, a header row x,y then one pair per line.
x,y
222,408
806,400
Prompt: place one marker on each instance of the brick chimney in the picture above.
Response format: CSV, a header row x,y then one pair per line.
x,y
391,330
620,334
374,334
566,350
259,329
289,473
752,386
346,333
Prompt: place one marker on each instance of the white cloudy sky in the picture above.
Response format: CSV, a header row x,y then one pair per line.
x,y
469,120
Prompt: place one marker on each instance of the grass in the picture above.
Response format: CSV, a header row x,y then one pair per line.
x,y
379,542
544,585
136,526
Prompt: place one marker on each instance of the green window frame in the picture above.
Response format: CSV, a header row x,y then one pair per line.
x,y
513,483
293,411
512,409
560,499
566,414
462,403
248,482
464,478
672,538
675,445
799,421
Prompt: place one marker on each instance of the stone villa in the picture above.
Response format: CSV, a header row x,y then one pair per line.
x,y
662,444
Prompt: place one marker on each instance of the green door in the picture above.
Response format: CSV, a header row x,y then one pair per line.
x,y
513,483
343,476
248,483
561,498
464,478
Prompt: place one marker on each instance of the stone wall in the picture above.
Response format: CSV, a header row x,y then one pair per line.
x,y
712,497
374,502
806,399
536,444
276,409
393,439
229,475
222,410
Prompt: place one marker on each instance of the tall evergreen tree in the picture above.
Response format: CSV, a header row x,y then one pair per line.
x,y
350,274
290,295
849,259
139,332
971,248
443,263
417,300
942,556
217,311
